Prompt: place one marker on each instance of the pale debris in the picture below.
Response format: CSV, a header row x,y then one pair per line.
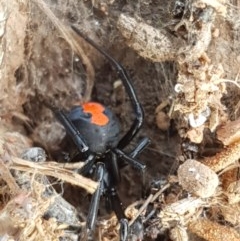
x,y
199,84
231,213
179,233
233,192
181,211
202,87
201,119
198,179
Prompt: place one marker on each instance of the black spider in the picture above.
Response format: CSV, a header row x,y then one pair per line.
x,y
96,132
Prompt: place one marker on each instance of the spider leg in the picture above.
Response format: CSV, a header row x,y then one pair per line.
x,y
144,142
102,176
113,201
71,130
124,229
93,210
134,163
135,232
131,161
114,167
111,180
87,165
140,147
129,88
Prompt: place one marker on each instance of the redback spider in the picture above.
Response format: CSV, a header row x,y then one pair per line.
x,y
95,130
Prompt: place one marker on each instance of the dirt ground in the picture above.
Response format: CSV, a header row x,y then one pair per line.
x,y
183,59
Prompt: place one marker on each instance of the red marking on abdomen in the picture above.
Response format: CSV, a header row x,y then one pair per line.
x,y
96,110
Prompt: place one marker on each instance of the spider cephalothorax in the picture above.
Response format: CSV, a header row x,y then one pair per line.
x,y
98,124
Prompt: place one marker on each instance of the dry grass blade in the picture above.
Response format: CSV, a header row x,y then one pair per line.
x,y
54,170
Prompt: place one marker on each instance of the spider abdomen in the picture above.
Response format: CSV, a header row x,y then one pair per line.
x,y
98,126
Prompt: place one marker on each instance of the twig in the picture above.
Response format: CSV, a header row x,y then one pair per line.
x,y
157,194
50,169
141,209
151,198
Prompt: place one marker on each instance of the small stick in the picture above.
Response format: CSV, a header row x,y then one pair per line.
x,y
141,209
54,171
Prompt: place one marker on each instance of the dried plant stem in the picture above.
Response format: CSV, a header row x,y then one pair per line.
x,y
50,169
157,194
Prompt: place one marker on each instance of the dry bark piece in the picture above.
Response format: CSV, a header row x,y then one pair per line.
x,y
229,133
11,144
228,177
197,178
225,158
198,80
211,231
8,177
159,45
154,44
